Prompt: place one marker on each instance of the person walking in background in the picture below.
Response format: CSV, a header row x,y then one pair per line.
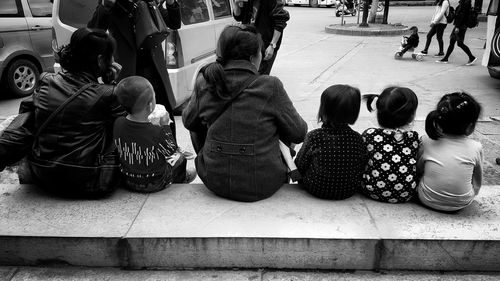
x,y
270,19
237,118
117,16
438,25
451,162
458,33
333,157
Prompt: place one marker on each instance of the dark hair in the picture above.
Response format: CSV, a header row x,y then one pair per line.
x,y
134,93
439,2
236,42
414,28
339,105
454,115
81,54
396,106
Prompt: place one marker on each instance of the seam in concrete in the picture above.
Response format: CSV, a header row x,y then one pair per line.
x,y
124,251
339,62
452,257
135,218
306,46
13,274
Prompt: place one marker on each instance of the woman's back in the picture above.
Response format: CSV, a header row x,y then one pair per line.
x,y
83,128
241,158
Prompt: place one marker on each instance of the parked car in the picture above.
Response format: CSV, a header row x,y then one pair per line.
x,y
186,50
25,44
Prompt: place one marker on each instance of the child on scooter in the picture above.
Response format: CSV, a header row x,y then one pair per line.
x,y
408,42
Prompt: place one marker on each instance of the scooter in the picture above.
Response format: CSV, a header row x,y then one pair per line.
x,y
350,8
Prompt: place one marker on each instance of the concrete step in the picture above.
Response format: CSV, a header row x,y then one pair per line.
x,y
186,226
111,274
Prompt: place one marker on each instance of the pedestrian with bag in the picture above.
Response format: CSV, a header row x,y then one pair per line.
x,y
438,25
269,18
237,118
462,20
72,151
123,18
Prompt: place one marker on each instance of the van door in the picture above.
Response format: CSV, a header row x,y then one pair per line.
x,y
222,12
39,18
14,34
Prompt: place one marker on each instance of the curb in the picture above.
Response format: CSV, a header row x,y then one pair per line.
x,y
373,29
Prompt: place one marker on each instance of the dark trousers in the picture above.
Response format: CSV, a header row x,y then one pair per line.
x,y
406,48
266,65
146,68
459,39
438,30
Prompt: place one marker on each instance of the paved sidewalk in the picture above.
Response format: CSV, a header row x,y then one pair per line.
x,y
111,274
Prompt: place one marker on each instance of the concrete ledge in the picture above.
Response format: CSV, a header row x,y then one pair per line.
x,y
186,226
374,29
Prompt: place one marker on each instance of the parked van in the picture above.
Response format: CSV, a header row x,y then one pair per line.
x,y
25,44
186,50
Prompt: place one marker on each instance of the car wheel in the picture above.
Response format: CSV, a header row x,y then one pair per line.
x,y
495,44
21,78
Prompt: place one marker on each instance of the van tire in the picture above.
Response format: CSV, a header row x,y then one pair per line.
x,y
21,77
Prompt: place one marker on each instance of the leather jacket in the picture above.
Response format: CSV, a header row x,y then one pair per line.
x,y
83,129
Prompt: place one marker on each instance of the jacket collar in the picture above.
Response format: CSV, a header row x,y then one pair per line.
x,y
83,77
241,65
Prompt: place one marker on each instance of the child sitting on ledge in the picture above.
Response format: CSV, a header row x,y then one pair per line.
x,y
148,153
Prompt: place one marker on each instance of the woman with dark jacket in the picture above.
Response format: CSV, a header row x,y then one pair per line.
x,y
269,18
80,135
462,14
237,118
117,17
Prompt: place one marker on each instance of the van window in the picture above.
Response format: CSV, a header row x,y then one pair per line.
x,y
9,8
76,13
194,11
40,8
221,8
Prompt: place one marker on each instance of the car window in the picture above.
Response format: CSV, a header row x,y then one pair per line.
x,y
76,13
40,8
221,8
194,11
9,8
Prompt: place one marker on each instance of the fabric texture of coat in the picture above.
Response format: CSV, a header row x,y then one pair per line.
x,y
241,158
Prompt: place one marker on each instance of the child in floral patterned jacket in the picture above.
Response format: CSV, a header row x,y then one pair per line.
x,y
390,175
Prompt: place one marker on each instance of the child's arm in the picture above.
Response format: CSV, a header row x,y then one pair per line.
x,y
477,173
285,151
420,160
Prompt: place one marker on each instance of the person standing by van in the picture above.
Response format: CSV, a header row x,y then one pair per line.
x,y
438,25
269,18
117,16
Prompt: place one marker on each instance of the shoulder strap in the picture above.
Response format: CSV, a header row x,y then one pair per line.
x,y
245,85
61,107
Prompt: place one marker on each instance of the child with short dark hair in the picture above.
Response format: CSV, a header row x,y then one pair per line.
x,y
450,161
408,42
390,175
332,158
148,157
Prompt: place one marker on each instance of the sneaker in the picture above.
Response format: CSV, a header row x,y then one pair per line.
x,y
438,55
423,53
442,61
471,61
190,175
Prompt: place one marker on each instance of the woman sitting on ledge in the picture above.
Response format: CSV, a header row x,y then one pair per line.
x,y
237,118
71,143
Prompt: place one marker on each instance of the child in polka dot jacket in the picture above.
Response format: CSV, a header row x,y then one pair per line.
x,y
332,158
390,174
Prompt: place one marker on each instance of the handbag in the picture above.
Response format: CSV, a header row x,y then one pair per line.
x,y
150,28
99,179
16,140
